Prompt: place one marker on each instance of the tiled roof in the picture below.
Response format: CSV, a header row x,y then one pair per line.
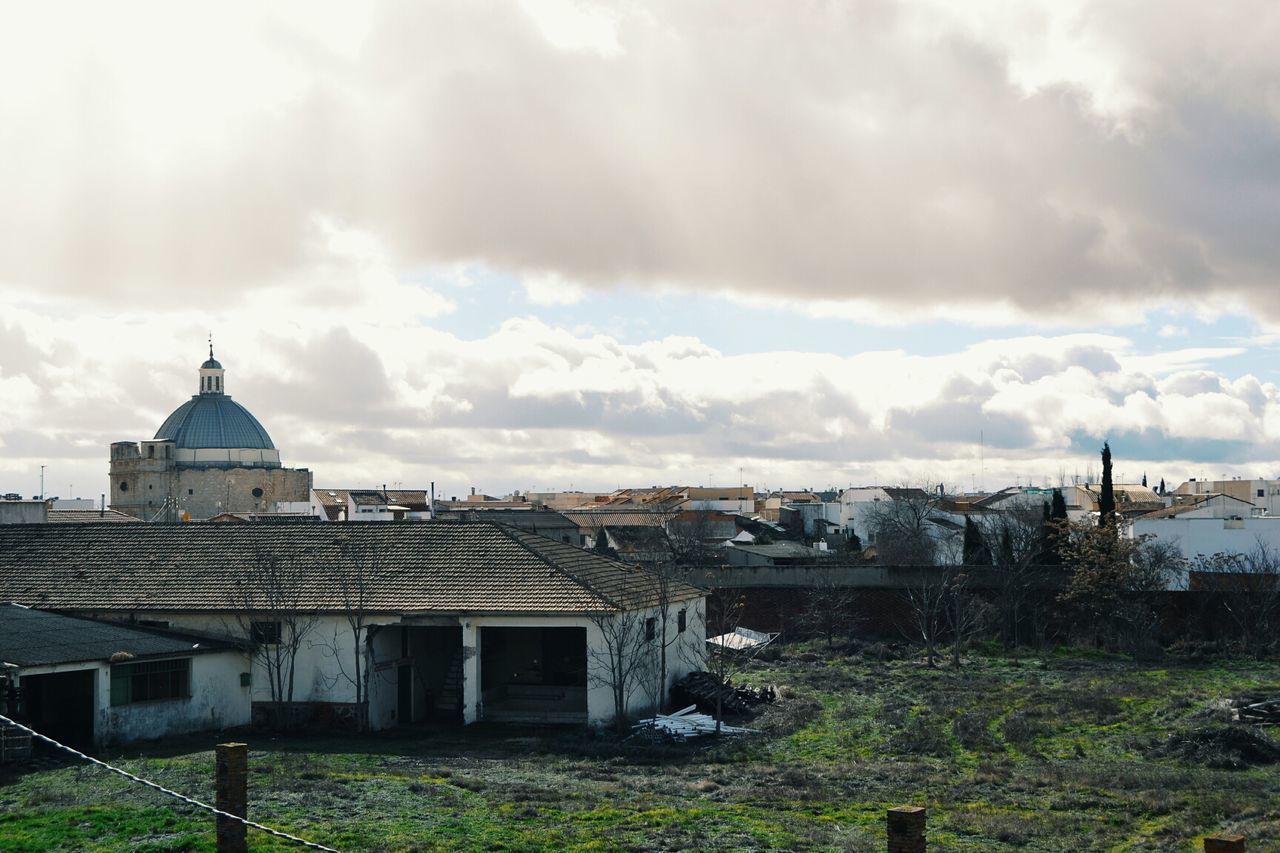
x,y
88,516
613,517
35,638
428,567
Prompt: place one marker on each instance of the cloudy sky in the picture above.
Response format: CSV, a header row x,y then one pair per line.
x,y
554,244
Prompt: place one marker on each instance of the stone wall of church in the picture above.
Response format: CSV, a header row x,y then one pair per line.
x,y
206,492
147,483
141,484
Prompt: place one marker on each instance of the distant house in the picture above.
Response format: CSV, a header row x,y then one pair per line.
x,y
776,554
88,683
466,621
372,504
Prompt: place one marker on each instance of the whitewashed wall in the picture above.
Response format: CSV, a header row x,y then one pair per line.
x,y
216,701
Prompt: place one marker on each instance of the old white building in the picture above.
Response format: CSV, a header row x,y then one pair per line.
x,y
87,683
466,621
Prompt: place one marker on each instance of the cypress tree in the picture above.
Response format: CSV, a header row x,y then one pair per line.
x,y
975,550
1144,479
1059,508
1107,496
1162,487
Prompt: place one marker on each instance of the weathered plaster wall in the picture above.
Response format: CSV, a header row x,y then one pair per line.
x,y
217,702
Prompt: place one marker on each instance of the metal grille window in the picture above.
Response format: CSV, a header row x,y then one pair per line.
x,y
681,621
265,633
150,680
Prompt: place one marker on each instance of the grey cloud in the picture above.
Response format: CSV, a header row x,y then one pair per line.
x,y
712,153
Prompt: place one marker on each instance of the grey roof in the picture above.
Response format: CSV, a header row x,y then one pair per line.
x,y
429,567
214,420
89,516
782,549
35,638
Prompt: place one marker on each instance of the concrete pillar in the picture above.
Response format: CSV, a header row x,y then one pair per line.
x,y
470,673
906,829
1224,844
232,768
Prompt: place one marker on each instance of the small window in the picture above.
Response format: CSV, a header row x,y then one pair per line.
x,y
151,485
1262,493
257,492
265,633
650,628
681,621
191,491
150,681
124,485
151,451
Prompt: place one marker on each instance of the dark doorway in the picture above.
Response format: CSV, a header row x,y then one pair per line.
x,y
429,680
534,674
61,705
404,693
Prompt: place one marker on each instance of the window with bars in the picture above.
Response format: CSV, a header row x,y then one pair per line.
x,y
150,680
264,633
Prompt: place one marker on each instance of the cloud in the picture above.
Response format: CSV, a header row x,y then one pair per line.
x,y
1039,160
366,397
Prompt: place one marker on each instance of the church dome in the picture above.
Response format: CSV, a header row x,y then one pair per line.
x,y
214,420
211,419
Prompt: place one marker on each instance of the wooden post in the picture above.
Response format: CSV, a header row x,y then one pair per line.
x,y
1224,844
232,765
906,829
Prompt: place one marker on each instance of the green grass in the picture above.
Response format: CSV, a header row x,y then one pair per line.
x,y
1052,753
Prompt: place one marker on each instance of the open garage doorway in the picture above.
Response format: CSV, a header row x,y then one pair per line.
x,y
61,705
533,675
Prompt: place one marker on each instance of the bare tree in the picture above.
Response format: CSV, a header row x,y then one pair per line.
x,y
966,612
927,599
1016,541
905,531
725,659
625,660
353,576
267,599
1249,584
828,607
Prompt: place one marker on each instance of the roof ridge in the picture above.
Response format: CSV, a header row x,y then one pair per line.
x,y
519,536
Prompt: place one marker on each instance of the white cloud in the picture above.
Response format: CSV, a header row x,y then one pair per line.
x,y
551,289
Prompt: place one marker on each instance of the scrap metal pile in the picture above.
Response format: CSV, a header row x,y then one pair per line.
x,y
684,724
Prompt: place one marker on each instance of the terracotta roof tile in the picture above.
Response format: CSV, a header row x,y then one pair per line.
x,y
422,567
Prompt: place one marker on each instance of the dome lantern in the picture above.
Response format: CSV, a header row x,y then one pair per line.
x,y
211,374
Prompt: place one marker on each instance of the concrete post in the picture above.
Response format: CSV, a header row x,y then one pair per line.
x,y
906,829
470,673
1224,844
232,763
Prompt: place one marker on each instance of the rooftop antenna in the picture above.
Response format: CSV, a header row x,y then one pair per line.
x,y
982,471
42,467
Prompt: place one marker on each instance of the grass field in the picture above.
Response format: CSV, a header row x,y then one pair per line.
x,y
1065,752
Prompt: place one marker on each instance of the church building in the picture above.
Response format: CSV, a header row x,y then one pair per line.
x,y
210,456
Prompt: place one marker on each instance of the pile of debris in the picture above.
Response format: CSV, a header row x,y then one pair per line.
x,y
702,688
684,724
1260,709
1222,747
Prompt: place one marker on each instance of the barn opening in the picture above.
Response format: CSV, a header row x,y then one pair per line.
x,y
533,675
61,705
